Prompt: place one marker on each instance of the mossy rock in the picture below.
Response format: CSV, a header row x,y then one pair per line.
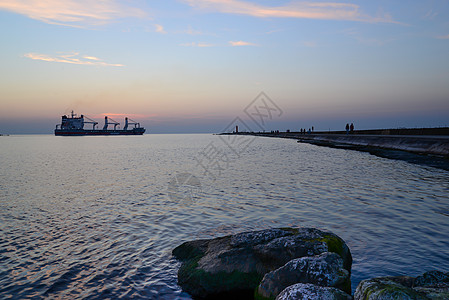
x,y
337,245
323,270
237,263
385,288
433,284
432,278
311,291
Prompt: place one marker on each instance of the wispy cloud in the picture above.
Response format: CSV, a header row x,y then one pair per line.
x,y
192,31
160,28
195,44
241,43
310,44
294,9
72,58
368,41
76,13
431,14
443,37
91,58
274,31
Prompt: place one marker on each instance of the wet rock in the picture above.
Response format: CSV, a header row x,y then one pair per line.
x,y
432,278
237,263
307,291
387,288
323,270
431,285
434,293
434,285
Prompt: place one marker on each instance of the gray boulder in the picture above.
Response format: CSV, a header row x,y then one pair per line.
x,y
431,285
307,291
432,278
324,270
434,285
387,288
237,263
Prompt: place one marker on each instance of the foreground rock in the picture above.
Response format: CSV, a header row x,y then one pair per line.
x,y
431,285
236,264
323,270
307,291
434,285
385,288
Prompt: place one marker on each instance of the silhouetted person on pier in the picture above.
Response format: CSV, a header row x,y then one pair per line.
x,y
347,128
351,128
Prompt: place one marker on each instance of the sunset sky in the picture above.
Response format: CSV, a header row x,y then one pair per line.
x,y
194,65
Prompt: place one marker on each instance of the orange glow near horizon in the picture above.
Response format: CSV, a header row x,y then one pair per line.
x,y
318,60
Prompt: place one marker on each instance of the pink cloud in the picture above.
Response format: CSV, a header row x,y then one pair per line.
x,y
241,43
294,9
160,28
72,58
76,13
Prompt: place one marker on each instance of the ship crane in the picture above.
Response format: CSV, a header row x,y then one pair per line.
x,y
90,122
107,122
136,125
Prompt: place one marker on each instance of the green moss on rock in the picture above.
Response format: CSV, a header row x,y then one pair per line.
x,y
385,288
337,245
239,262
334,244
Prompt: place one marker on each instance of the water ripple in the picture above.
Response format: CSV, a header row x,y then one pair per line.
x,y
92,217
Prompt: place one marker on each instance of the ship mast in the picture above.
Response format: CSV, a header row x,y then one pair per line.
x,y
136,125
107,122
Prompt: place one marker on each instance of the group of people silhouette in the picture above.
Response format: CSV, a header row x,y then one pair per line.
x,y
349,128
304,131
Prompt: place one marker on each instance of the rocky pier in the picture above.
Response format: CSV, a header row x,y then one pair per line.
x,y
359,140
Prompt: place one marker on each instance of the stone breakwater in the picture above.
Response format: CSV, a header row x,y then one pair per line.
x,y
289,264
422,144
416,144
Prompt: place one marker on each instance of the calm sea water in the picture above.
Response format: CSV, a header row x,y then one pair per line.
x,y
97,217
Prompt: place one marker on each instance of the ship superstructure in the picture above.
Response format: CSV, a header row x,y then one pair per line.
x,y
74,125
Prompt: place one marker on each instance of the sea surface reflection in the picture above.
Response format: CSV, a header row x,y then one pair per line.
x,y
97,217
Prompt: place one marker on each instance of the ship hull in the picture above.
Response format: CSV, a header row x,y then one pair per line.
x,y
79,132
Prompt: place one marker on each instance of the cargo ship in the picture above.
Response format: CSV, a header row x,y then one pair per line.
x,y
74,125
